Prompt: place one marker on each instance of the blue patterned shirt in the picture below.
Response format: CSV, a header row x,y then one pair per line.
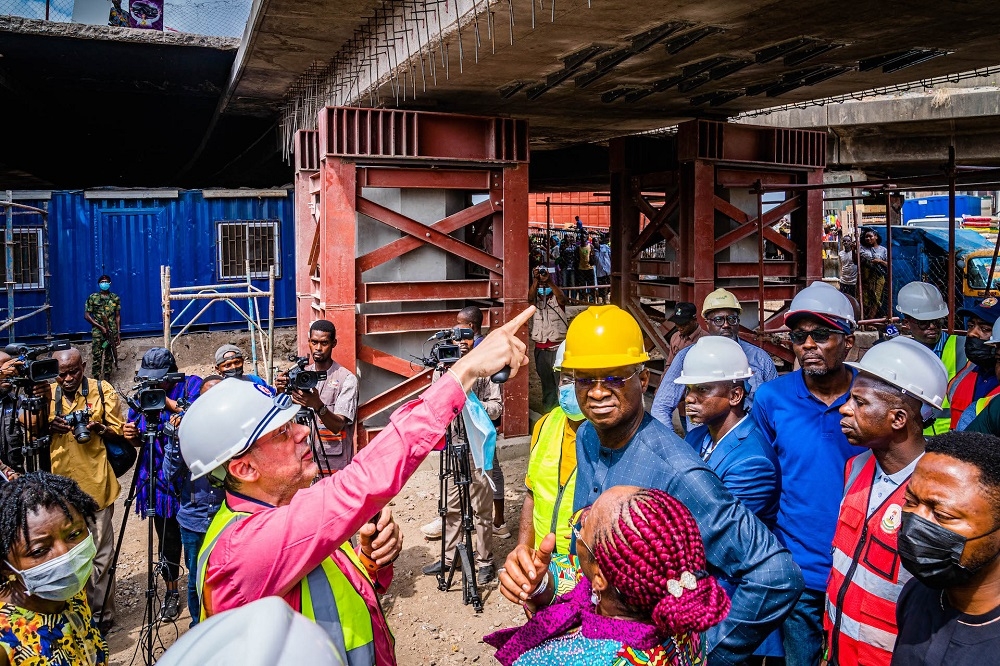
x,y
737,544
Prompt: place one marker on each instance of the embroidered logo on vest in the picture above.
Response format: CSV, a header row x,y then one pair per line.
x,y
892,518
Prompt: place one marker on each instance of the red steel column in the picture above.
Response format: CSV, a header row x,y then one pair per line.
x,y
305,231
515,288
814,228
337,250
702,241
624,223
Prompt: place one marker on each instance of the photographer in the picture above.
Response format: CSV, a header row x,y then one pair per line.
x,y
548,329
334,401
11,435
480,491
157,363
229,362
278,533
96,402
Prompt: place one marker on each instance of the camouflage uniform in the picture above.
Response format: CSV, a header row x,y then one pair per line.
x,y
103,308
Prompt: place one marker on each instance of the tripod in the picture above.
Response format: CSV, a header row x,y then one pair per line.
x,y
455,464
35,441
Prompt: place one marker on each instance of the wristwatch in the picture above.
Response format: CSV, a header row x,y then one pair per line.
x,y
322,410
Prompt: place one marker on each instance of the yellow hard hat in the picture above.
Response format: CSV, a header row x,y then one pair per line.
x,y
603,336
720,299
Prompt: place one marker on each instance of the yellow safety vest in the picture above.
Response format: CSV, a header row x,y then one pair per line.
x,y
949,356
328,597
553,502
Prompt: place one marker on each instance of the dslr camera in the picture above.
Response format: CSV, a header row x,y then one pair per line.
x,y
446,350
78,421
35,370
300,379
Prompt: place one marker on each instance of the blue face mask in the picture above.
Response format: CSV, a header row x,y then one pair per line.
x,y
567,400
545,291
104,286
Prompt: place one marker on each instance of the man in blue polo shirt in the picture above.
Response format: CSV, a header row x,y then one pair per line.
x,y
721,311
800,414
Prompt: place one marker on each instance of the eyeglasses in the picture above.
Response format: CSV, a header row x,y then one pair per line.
x,y
924,325
566,381
576,522
610,383
732,320
819,335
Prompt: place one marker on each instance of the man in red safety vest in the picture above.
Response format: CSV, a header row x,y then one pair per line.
x,y
898,386
978,377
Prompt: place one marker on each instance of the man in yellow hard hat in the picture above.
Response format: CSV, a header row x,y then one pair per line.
x,y
721,311
620,444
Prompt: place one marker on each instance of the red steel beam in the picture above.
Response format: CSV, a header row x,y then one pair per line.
x,y
703,191
305,232
656,267
389,362
657,226
396,394
338,243
669,292
751,269
749,227
429,290
814,229
436,179
398,248
772,292
401,322
430,235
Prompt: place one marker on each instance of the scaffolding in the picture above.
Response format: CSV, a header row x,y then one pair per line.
x,y
42,277
223,293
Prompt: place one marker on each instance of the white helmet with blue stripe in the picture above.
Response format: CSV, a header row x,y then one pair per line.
x,y
227,419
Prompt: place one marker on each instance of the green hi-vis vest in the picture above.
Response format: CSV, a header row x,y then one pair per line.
x,y
328,597
553,503
949,356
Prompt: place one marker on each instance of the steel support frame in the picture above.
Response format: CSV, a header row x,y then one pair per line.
x,y
700,223
487,155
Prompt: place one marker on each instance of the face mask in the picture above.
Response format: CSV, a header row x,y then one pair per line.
x,y
932,553
104,286
62,578
238,372
545,291
567,400
979,352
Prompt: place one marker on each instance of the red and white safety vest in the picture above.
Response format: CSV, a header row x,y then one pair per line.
x,y
866,577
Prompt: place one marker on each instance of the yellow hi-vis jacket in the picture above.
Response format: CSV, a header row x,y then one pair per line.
x,y
553,502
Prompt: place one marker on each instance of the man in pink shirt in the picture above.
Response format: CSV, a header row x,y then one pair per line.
x,y
278,535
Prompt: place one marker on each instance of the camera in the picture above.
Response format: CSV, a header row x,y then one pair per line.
x,y
300,379
78,421
35,371
149,396
446,351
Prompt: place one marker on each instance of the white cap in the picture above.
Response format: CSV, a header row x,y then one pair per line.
x,y
714,358
910,367
224,422
921,301
823,301
263,633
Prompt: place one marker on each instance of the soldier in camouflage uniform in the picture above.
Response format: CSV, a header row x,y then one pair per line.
x,y
104,312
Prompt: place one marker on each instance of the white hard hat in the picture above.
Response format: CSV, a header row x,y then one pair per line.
x,y
995,336
823,301
560,353
714,358
262,633
224,422
909,366
921,301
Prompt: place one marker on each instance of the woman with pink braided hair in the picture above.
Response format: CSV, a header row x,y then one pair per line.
x,y
644,598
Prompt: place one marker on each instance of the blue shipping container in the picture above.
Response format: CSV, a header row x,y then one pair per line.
x,y
204,240
918,207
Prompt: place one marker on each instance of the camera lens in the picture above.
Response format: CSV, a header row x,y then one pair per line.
x,y
81,433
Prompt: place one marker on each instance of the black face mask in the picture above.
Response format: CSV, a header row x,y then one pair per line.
x,y
932,553
238,372
979,352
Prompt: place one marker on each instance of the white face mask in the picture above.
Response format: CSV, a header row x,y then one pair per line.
x,y
62,578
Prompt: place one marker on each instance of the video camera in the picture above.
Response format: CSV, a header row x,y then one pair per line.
x,y
446,351
300,379
147,394
35,370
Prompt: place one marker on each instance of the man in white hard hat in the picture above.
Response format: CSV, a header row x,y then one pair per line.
x,y
925,317
799,414
729,440
279,534
899,383
721,311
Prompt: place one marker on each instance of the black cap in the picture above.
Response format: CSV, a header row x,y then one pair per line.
x,y
683,313
156,363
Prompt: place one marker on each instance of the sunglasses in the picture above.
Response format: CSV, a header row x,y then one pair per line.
x,y
924,325
576,522
610,383
819,335
732,320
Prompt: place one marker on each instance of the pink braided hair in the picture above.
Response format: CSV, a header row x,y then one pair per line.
x,y
655,539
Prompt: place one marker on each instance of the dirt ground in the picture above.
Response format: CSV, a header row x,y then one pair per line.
x,y
431,626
